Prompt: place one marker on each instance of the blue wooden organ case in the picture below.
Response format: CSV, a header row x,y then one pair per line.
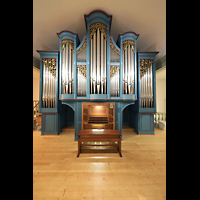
x,y
97,70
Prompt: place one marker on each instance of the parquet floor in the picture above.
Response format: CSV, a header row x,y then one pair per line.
x,y
139,175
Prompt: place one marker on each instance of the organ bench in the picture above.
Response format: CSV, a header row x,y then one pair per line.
x,y
99,141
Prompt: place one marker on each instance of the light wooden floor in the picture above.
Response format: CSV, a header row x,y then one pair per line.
x,y
139,175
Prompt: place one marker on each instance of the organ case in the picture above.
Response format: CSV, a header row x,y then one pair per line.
x,y
85,75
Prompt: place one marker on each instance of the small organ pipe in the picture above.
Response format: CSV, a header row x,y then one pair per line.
x,y
118,83
63,71
54,91
151,86
146,86
123,72
49,90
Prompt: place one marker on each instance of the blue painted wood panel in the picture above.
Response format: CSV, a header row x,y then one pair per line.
x,y
50,125
145,123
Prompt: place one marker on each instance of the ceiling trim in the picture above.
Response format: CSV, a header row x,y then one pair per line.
x,y
36,62
161,62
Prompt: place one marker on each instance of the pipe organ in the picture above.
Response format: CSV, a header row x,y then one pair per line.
x,y
98,70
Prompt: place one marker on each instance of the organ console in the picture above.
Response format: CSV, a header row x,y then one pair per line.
x,y
98,116
94,80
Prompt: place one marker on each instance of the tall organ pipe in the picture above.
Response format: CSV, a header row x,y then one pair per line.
x,y
98,62
66,69
94,64
91,72
128,67
102,64
67,66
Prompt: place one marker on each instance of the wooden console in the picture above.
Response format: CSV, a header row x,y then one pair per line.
x,y
98,116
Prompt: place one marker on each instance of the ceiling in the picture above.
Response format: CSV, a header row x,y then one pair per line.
x,y
145,17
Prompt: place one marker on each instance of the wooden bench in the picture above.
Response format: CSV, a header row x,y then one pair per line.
x,y
94,140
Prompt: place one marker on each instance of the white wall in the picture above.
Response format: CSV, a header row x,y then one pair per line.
x,y
36,83
161,90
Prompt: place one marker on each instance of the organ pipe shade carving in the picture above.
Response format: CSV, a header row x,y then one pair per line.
x,y
113,47
114,80
146,83
68,42
128,67
49,83
145,64
67,66
82,52
98,37
81,79
114,52
128,42
82,47
113,70
95,26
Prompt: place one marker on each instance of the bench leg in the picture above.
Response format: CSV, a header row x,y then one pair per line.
x,y
79,148
119,143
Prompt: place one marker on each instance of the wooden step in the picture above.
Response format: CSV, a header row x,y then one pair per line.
x,y
99,149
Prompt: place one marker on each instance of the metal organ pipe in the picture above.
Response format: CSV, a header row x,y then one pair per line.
x,y
49,83
70,82
125,76
98,58
67,66
128,67
102,64
94,64
146,85
91,68
132,71
151,86
98,61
